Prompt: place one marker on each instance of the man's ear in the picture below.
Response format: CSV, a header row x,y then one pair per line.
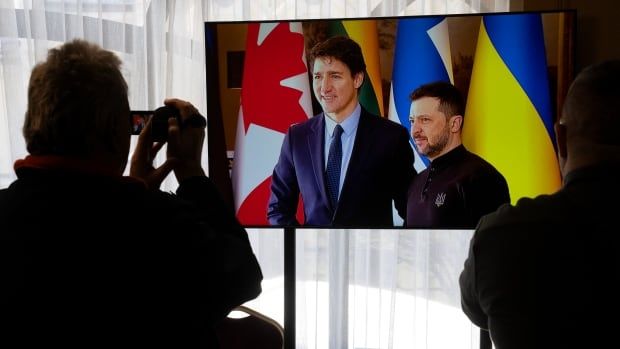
x,y
456,122
560,137
358,79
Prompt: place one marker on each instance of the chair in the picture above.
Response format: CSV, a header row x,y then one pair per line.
x,y
256,331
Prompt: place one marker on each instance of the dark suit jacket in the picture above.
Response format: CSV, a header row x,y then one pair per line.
x,y
379,171
546,272
95,260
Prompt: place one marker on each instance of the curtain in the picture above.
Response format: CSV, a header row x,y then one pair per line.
x,y
222,10
369,288
381,289
355,288
161,44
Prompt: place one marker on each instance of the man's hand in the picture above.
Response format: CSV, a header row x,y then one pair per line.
x,y
142,160
185,145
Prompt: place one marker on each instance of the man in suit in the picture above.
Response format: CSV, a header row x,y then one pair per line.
x,y
545,272
348,165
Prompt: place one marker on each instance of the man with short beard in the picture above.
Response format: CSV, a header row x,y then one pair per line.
x,y
458,187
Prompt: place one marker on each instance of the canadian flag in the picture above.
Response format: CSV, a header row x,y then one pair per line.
x,y
275,94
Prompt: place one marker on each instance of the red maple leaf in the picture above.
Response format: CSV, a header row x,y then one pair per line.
x,y
279,57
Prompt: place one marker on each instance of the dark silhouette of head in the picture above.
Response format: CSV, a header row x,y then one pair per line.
x,y
77,105
587,132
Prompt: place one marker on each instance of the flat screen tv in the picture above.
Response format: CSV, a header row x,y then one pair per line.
x,y
513,68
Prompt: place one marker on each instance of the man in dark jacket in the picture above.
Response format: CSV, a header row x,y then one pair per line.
x,y
90,257
545,273
349,166
458,187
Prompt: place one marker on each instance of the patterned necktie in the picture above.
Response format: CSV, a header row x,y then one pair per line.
x,y
333,166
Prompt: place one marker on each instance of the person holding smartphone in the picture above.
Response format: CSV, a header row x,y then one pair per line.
x,y
88,255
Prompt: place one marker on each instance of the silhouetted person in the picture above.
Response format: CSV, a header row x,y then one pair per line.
x,y
89,257
545,272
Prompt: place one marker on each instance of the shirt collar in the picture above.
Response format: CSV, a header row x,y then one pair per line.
x,y
449,158
349,125
65,165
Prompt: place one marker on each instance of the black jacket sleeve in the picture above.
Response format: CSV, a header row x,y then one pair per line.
x,y
469,291
226,257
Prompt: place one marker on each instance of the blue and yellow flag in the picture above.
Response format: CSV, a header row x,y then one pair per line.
x,y
508,118
421,55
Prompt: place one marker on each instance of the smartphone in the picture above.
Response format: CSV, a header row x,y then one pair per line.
x,y
159,124
138,119
159,121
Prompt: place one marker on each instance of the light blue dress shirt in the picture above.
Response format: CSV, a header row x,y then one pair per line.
x,y
349,127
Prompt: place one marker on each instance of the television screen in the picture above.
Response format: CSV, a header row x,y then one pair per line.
x,y
513,69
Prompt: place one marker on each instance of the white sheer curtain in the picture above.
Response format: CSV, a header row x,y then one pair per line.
x,y
302,9
161,44
369,288
381,289
356,289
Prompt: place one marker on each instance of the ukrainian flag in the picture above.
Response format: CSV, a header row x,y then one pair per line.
x,y
421,55
364,32
508,118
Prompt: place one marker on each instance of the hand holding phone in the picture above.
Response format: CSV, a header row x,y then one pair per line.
x,y
159,122
160,116
186,140
184,136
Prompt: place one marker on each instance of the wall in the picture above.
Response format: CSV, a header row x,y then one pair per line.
x,y
598,27
230,40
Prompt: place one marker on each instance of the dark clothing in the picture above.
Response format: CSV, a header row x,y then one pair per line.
x,y
546,272
379,172
456,190
92,259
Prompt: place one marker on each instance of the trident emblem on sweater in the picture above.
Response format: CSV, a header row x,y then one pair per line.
x,y
441,198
